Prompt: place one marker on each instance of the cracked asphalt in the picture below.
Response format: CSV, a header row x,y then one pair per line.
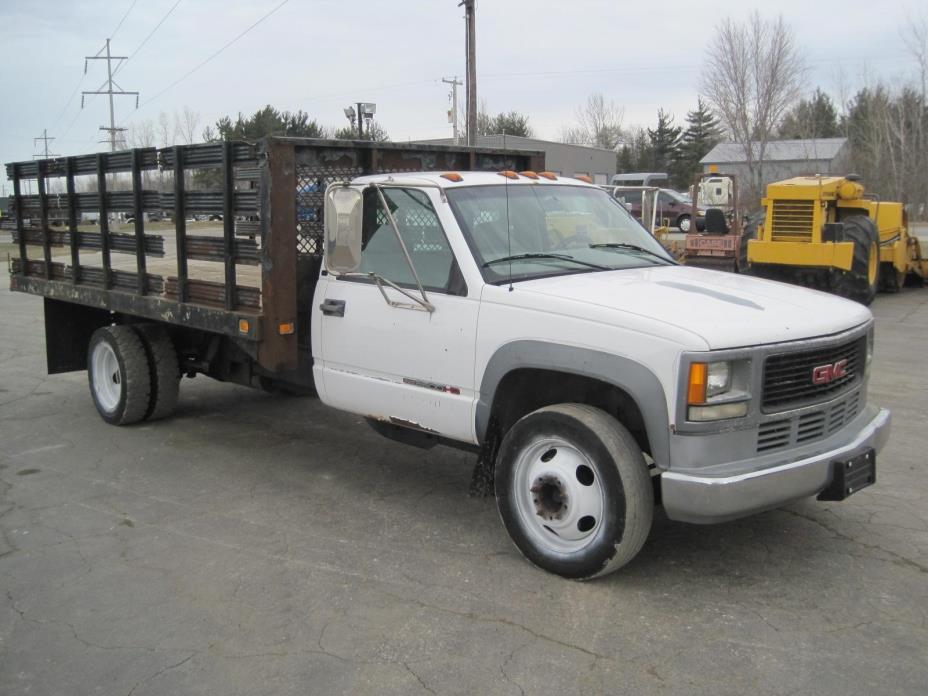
x,y
268,545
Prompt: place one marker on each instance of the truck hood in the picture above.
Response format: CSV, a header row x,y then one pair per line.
x,y
726,310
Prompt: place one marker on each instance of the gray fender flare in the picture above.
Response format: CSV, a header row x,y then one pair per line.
x,y
635,379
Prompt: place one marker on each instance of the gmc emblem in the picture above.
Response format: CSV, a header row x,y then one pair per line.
x,y
823,374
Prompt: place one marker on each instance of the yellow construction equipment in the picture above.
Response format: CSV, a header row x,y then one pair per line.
x,y
825,232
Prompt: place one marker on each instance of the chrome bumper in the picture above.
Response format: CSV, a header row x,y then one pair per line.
x,y
706,500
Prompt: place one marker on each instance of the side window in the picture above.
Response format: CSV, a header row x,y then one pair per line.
x,y
422,234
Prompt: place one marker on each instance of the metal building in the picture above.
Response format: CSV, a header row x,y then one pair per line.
x,y
560,158
783,159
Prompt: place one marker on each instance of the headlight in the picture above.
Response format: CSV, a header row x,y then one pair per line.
x,y
708,380
718,380
718,390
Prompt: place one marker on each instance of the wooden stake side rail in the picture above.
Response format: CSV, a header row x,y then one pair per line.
x,y
221,307
269,196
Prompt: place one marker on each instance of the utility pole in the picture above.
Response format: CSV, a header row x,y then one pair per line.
x,y
471,70
109,89
455,83
46,138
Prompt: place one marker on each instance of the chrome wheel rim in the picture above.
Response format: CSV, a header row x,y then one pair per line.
x,y
559,495
107,381
685,225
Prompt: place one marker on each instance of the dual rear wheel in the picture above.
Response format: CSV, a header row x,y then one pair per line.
x,y
133,373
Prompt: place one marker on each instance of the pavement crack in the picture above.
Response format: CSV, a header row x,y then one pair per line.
x,y
473,616
898,559
162,671
418,678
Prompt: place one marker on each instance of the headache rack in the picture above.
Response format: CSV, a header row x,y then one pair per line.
x,y
251,276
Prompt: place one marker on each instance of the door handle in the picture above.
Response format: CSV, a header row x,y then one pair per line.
x,y
333,308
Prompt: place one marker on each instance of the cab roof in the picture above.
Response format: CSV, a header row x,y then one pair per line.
x,y
467,179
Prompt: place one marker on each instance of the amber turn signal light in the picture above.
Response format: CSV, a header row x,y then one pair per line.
x,y
699,379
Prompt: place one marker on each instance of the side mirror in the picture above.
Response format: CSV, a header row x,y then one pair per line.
x,y
343,206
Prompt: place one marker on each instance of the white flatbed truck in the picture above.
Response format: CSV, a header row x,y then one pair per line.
x,y
515,313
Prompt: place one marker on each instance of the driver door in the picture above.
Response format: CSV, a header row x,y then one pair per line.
x,y
404,365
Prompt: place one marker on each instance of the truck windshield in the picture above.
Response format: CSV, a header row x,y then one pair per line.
x,y
552,230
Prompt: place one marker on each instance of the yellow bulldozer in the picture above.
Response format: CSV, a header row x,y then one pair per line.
x,y
825,232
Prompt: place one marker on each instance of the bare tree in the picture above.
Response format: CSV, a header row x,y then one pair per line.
x,y
141,134
915,38
186,125
167,134
599,123
752,75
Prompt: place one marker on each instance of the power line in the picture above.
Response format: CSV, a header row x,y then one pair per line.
x,y
113,33
204,62
150,34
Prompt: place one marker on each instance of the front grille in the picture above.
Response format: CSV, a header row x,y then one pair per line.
x,y
792,221
807,427
788,377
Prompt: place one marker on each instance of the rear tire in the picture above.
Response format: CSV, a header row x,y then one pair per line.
x,y
117,370
163,370
573,491
862,281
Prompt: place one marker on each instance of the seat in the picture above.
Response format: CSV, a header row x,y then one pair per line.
x,y
716,223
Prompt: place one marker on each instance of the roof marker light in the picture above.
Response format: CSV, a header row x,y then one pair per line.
x,y
548,175
509,174
584,178
529,174
452,176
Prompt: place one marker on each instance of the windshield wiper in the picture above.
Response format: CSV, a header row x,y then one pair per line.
x,y
631,247
562,257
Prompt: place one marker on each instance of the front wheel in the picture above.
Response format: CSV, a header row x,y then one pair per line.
x,y
574,491
683,223
862,281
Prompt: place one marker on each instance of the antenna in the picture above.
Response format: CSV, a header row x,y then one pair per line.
x,y
508,235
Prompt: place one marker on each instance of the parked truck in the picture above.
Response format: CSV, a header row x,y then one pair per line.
x,y
514,313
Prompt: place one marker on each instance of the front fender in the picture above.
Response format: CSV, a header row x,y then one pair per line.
x,y
639,382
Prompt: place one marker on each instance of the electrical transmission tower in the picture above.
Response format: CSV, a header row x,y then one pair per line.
x,y
109,89
45,137
455,83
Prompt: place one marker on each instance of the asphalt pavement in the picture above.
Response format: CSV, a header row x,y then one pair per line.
x,y
256,544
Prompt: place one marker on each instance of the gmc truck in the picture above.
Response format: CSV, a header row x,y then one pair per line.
x,y
462,297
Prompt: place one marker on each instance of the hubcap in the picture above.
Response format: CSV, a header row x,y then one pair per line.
x,y
685,225
107,384
559,495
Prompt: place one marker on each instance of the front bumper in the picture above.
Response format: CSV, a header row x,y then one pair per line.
x,y
710,499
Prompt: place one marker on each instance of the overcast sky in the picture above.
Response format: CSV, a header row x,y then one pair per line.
x,y
540,57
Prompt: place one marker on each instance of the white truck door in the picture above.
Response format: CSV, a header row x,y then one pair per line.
x,y
408,366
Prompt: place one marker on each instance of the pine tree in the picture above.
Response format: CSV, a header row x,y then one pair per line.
x,y
811,118
664,141
703,132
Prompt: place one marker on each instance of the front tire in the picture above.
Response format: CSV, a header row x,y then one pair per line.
x,y
683,223
117,369
573,491
863,280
